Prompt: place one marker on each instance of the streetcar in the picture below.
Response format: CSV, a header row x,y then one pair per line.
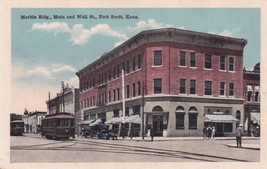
x,y
58,126
16,128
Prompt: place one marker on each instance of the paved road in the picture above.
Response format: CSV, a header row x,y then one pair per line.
x,y
33,148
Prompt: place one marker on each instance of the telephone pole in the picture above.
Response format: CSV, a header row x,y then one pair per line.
x,y
63,88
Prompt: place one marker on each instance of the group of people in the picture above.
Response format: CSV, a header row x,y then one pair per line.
x,y
209,132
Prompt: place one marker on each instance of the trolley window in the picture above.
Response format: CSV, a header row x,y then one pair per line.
x,y
64,122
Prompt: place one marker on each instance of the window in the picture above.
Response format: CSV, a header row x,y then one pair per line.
x,y
109,96
249,96
81,104
193,120
118,71
128,66
93,82
127,111
118,94
114,72
222,88
114,95
139,88
123,67
222,62
133,63
231,89
109,74
182,58
133,89
208,88
231,64
192,59
192,86
208,61
182,86
127,91
139,61
228,127
157,58
116,113
87,102
136,109
157,86
180,113
256,97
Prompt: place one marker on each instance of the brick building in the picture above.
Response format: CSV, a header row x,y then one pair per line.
x,y
252,99
71,104
189,79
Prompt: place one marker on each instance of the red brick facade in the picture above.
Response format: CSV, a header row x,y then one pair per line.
x,y
98,85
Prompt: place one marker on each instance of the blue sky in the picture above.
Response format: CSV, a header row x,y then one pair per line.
x,y
48,51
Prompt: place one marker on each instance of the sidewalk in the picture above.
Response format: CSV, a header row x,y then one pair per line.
x,y
183,138
246,146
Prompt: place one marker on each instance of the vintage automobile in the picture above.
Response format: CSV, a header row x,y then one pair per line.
x,y
107,134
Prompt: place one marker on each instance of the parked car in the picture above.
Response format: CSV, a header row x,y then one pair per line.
x,y
106,134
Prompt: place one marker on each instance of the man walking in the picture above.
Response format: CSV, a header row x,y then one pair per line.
x,y
204,130
239,133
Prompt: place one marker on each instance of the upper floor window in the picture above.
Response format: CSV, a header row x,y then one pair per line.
x,y
114,95
231,64
192,59
109,96
157,86
139,88
118,71
127,66
109,74
249,93
118,94
222,62
123,67
133,89
208,61
139,61
182,86
208,87
133,63
127,91
231,89
114,72
157,58
222,88
182,58
192,86
257,94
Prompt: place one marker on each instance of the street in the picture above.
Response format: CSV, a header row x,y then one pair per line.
x,y
33,148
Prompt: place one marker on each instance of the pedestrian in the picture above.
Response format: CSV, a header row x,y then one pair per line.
x,y
213,133
239,133
209,131
151,134
132,132
204,130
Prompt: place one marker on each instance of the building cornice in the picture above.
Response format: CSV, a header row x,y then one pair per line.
x,y
167,35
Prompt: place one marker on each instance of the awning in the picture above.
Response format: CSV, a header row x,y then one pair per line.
x,y
87,121
133,119
120,120
219,118
255,117
96,122
112,120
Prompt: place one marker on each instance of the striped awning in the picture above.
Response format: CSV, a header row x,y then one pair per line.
x,y
221,118
96,122
112,120
88,121
133,119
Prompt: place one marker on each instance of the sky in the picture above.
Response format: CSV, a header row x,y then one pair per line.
x,y
47,50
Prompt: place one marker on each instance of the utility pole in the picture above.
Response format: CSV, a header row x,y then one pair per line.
x,y
63,88
143,112
123,102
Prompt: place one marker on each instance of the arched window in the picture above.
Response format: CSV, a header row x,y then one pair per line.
x,y
180,113
158,109
193,113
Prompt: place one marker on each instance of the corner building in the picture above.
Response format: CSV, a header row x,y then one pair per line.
x,y
181,80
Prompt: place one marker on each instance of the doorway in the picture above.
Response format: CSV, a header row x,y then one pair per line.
x,y
158,125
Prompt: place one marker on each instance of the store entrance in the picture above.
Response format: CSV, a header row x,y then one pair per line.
x,y
158,125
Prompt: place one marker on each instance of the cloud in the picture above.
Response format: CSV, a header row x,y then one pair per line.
x,y
149,24
229,33
20,71
73,81
56,68
79,35
40,71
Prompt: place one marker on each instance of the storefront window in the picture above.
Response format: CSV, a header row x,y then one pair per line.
x,y
192,120
179,120
228,127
